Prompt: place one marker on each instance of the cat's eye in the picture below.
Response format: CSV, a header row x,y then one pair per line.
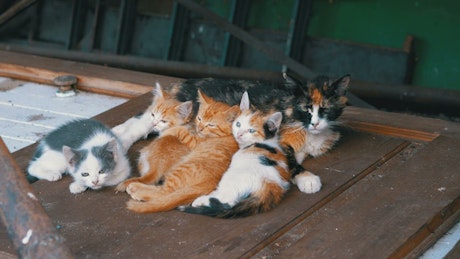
x,y
211,125
163,121
252,130
153,115
101,171
238,124
84,174
198,118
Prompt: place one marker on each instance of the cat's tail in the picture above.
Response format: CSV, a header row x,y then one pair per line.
x,y
264,200
165,201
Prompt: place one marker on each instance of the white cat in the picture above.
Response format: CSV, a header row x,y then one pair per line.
x,y
85,149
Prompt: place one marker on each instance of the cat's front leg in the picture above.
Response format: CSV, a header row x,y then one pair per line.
x,y
307,182
183,134
77,187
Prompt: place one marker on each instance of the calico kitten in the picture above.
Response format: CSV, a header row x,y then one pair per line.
x,y
309,112
211,147
258,175
164,112
87,150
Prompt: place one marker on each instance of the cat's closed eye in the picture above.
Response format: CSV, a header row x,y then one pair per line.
x,y
84,174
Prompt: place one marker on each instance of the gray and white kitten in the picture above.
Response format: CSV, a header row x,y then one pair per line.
x,y
87,150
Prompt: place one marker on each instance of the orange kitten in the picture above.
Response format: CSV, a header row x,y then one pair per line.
x,y
198,172
163,113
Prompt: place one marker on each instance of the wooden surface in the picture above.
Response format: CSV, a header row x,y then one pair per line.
x,y
390,189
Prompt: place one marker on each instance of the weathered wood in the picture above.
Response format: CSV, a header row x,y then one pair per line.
x,y
92,78
389,184
29,227
388,213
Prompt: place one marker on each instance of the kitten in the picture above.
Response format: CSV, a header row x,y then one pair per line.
x,y
198,172
309,112
87,150
258,175
164,112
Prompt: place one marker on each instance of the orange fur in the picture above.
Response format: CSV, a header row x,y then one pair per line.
x,y
164,148
199,171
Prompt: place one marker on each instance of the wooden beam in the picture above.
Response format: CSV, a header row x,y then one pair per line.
x,y
29,228
91,78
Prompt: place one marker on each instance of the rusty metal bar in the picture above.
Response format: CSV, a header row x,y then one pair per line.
x,y
28,226
247,38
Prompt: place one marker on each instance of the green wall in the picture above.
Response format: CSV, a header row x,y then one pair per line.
x,y
434,24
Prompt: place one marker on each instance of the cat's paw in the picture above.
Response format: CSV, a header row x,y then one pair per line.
x,y
138,191
121,187
201,201
307,182
77,188
53,176
48,175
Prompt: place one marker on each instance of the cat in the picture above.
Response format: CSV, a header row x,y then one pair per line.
x,y
87,150
211,146
258,176
164,112
310,113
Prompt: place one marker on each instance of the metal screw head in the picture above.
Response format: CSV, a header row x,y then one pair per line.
x,y
65,80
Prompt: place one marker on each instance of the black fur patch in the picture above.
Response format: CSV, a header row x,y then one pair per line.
x,y
266,147
267,161
269,133
294,167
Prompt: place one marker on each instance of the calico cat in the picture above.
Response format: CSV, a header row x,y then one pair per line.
x,y
309,110
258,175
87,150
164,112
211,147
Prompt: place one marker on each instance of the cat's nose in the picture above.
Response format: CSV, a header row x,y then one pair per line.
x,y
314,124
95,182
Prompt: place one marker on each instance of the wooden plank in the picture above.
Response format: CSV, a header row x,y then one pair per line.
x,y
137,233
388,213
399,125
92,78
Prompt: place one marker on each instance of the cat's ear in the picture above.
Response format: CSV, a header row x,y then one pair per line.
x,y
184,109
274,121
232,113
244,104
157,92
291,82
202,98
70,156
111,147
340,85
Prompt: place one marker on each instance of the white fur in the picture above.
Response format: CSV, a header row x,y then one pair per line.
x,y
51,165
134,129
318,133
244,176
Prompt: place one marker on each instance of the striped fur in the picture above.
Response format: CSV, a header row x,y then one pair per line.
x,y
203,156
258,176
310,111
